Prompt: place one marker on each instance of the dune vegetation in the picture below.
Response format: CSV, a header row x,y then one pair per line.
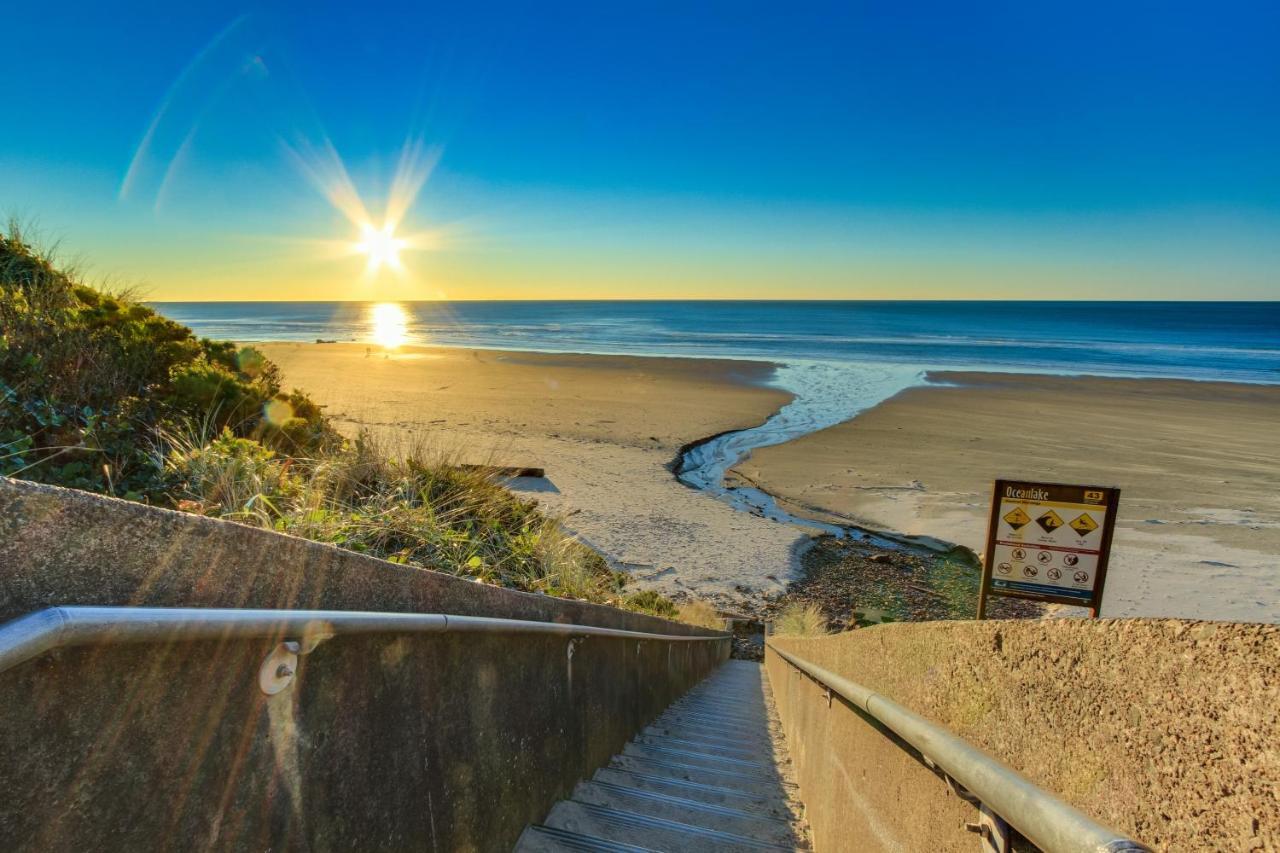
x,y
800,619
99,392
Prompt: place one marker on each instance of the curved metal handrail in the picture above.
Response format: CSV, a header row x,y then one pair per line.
x,y
29,636
1046,821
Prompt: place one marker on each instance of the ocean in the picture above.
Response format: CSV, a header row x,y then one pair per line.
x,y
1236,341
837,358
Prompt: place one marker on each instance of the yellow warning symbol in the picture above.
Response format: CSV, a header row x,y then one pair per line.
x,y
1050,521
1084,524
1016,518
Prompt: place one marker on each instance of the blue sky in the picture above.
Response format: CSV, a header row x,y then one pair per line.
x,y
732,150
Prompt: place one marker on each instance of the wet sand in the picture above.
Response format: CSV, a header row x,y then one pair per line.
x,y
605,428
1198,533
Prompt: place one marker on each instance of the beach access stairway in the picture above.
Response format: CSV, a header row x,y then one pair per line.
x,y
711,773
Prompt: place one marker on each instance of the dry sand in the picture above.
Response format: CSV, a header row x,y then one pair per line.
x,y
1198,533
604,428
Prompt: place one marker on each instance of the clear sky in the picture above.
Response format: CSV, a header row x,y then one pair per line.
x,y
751,150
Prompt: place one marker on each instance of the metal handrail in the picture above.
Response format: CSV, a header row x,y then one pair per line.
x,y
29,636
1046,821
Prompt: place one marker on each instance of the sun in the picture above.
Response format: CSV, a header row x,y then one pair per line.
x,y
381,245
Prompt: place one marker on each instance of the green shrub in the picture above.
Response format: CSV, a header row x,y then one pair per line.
x,y
89,378
648,601
230,477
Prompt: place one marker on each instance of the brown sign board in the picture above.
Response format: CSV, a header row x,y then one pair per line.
x,y
1048,542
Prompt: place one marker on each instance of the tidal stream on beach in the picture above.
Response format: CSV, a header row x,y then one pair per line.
x,y
825,395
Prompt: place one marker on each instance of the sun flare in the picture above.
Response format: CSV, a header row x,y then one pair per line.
x,y
389,325
381,245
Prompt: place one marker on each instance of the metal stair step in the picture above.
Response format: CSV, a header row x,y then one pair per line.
x,y
698,745
751,742
705,815
701,775
718,720
711,725
684,756
729,710
653,832
773,804
550,839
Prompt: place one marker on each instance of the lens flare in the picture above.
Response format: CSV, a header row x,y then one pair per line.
x,y
381,244
388,325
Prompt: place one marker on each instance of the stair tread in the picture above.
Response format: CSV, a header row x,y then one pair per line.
x,y
772,828
610,823
544,839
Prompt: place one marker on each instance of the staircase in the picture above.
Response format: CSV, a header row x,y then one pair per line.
x,y
710,774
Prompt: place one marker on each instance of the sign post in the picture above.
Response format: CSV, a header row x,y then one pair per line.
x,y
1048,542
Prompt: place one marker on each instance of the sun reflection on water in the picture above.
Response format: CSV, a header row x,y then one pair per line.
x,y
388,325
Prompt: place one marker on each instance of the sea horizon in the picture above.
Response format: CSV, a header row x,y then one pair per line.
x,y
1216,340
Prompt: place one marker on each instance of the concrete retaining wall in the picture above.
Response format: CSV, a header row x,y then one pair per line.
x,y
1166,730
446,742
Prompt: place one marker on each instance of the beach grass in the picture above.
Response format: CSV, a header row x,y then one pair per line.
x,y
800,619
700,613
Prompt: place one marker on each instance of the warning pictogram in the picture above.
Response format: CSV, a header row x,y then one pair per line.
x,y
1084,524
1016,518
1050,521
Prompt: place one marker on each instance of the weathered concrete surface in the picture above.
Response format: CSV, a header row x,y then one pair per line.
x,y
449,742
1166,730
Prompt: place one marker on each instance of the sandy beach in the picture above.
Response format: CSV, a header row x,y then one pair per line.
x,y
1200,510
605,428
1200,513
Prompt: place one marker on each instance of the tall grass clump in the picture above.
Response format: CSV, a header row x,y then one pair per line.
x,y
701,614
800,620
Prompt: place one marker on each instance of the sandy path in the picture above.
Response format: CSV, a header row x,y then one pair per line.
x,y
1199,530
604,428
